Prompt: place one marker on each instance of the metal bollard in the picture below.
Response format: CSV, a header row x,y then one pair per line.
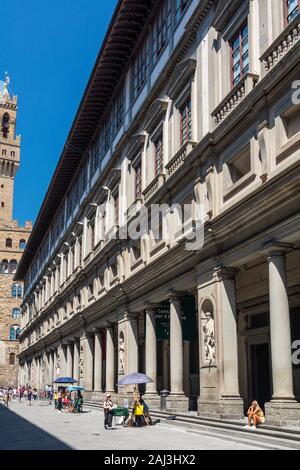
x,y
163,399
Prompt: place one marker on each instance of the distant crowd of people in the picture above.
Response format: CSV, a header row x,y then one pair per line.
x,y
18,394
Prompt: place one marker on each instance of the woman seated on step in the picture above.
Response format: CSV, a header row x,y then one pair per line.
x,y
255,416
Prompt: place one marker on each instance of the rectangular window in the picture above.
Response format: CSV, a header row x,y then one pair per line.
x,y
138,180
239,55
118,111
181,7
292,8
104,223
80,251
186,122
161,29
140,69
72,260
116,206
159,155
94,157
106,135
92,235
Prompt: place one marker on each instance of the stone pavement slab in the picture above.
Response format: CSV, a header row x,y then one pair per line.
x,y
40,427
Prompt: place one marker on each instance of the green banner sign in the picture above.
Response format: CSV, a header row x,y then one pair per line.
x,y
188,316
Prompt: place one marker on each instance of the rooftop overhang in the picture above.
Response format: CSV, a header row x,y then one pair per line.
x,y
124,30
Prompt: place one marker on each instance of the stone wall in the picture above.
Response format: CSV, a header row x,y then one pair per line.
x,y
9,230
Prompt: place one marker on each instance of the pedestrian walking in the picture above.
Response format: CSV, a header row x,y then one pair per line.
x,y
50,395
55,399
108,412
7,398
29,397
60,402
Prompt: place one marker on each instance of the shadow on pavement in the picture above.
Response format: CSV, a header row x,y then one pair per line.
x,y
17,433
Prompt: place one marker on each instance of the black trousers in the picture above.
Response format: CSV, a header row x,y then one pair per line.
x,y
108,417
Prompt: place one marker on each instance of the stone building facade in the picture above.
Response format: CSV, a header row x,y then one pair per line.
x,y
191,104
13,239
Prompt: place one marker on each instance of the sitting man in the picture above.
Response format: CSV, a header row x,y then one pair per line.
x,y
147,416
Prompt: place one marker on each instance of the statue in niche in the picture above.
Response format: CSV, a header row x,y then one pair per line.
x,y
122,352
58,365
209,336
81,366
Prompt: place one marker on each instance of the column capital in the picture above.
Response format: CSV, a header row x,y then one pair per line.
x,y
131,315
150,307
175,296
109,325
222,273
275,248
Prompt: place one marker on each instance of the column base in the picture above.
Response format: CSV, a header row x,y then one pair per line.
x,y
153,400
280,412
177,403
226,407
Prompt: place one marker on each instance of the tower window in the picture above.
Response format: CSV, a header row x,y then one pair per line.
x,y
17,291
16,313
2,204
5,125
13,154
13,266
4,267
14,333
4,152
8,243
22,244
12,359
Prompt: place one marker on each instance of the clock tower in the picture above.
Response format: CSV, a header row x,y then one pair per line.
x,y
13,239
9,150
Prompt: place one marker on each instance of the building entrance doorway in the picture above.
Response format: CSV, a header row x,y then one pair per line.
x,y
260,374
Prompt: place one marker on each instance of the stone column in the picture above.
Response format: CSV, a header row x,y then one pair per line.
x,y
76,360
110,360
55,374
51,367
176,346
37,373
280,325
87,341
227,277
98,362
132,343
69,369
151,349
63,361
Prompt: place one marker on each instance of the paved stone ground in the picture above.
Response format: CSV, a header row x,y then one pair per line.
x,y
40,427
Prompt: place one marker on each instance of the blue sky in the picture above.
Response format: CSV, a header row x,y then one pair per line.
x,y
49,48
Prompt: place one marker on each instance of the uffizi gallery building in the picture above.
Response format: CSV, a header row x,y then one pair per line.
x,y
190,103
